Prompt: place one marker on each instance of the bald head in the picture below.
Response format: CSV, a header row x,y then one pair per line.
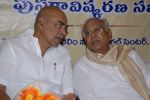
x,y
50,12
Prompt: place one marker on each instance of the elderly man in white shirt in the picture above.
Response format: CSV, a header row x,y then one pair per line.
x,y
37,58
109,73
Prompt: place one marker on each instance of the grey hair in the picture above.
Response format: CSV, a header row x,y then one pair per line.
x,y
106,24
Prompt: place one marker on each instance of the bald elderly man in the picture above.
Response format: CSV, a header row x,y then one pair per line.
x,y
108,72
37,58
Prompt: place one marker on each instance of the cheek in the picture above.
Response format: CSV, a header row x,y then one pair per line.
x,y
87,40
88,43
107,40
50,33
104,38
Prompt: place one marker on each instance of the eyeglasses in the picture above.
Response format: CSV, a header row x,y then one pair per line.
x,y
95,31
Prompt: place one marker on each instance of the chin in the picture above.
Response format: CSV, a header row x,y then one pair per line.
x,y
95,49
56,45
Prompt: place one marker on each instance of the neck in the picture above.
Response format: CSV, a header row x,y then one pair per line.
x,y
44,45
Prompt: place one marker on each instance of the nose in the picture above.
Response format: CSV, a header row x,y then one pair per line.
x,y
94,34
64,30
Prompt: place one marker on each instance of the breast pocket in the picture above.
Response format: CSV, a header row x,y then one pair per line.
x,y
55,73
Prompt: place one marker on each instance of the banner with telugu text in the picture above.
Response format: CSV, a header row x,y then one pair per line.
x,y
129,21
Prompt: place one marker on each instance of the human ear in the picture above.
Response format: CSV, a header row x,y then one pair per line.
x,y
83,38
41,23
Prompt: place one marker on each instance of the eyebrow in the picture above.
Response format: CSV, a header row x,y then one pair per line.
x,y
61,23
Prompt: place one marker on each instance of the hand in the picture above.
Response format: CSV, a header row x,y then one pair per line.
x,y
70,96
3,94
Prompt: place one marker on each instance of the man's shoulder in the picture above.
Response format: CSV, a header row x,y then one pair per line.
x,y
81,65
22,36
15,42
134,54
82,60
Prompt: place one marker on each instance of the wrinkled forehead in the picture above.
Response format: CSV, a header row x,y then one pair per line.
x,y
94,23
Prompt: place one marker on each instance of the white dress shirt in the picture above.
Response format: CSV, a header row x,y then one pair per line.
x,y
22,64
104,82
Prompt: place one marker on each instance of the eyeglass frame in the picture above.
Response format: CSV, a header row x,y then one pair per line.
x,y
96,31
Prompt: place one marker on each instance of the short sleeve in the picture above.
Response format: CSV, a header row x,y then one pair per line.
x,y
6,62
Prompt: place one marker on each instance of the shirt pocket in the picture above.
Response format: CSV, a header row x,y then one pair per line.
x,y
55,73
